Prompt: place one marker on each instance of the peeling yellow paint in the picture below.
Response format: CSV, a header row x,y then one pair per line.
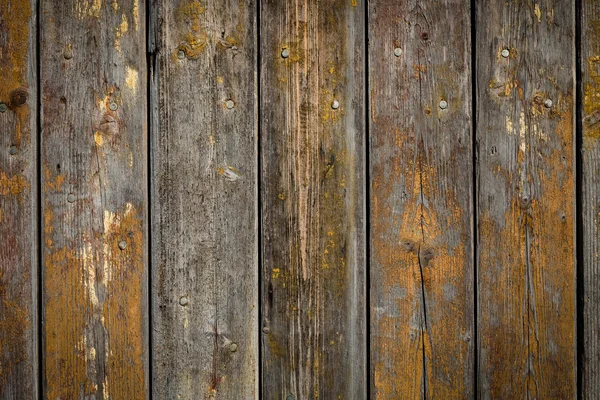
x,y
88,8
14,185
131,78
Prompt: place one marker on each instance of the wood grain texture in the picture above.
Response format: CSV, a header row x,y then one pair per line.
x,y
590,196
526,257
18,201
313,194
205,200
421,200
94,199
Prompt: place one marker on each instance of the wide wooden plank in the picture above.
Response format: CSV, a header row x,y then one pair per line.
x,y
205,200
421,200
18,200
525,201
94,199
590,196
313,199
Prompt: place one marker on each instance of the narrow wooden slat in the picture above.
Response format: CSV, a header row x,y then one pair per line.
x,y
205,201
422,263
94,199
313,194
18,194
590,196
526,257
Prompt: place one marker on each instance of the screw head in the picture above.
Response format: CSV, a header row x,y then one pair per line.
x,y
71,198
266,329
183,301
285,53
181,54
3,107
335,105
397,51
229,104
113,106
505,53
443,104
122,244
548,103
233,347
13,150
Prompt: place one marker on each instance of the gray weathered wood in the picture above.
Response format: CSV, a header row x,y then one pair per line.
x,y
422,263
94,199
526,255
313,199
18,200
204,191
590,196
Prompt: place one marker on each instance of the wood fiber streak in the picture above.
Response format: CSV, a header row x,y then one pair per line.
x,y
94,199
421,200
18,193
313,194
205,201
526,258
590,195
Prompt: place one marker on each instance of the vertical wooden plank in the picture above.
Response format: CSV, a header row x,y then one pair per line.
x,y
313,194
422,263
94,195
18,200
205,201
526,257
590,195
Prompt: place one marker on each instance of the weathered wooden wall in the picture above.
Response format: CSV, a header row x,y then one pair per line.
x,y
299,199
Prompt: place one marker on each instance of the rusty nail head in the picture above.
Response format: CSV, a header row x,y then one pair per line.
x,y
335,105
443,104
233,347
71,198
3,107
122,244
183,301
285,53
181,54
266,329
505,53
113,106
548,103
397,51
13,150
229,104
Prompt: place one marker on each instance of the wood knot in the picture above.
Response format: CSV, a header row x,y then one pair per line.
x,y
408,245
425,255
425,36
18,97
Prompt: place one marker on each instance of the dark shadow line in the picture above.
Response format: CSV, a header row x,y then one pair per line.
x,y
259,199
474,204
580,289
38,207
367,203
